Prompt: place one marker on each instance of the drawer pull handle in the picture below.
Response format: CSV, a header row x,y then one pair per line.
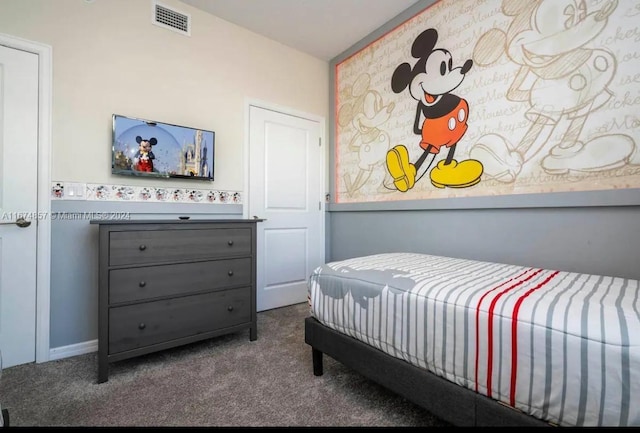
x,y
142,325
142,283
230,272
143,247
230,308
230,243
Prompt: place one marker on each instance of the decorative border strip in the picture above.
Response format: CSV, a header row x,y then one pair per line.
x,y
104,192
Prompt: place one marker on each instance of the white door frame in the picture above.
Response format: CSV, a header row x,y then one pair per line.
x,y
284,110
43,225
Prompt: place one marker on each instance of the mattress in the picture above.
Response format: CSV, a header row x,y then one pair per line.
x,y
561,346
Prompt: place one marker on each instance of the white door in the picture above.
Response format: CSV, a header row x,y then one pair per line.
x,y
285,187
18,198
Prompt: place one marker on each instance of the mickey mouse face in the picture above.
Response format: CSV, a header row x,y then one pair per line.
x,y
543,31
145,144
433,73
439,77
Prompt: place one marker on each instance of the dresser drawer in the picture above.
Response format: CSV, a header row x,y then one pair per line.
x,y
136,284
149,246
141,325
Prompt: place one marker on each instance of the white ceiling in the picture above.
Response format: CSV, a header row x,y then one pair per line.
x,y
321,28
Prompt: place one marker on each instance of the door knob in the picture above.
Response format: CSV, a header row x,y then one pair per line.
x,y
20,222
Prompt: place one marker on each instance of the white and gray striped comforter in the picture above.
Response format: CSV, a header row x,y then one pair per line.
x,y
561,346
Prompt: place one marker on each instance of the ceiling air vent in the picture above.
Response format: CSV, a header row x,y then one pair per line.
x,y
169,18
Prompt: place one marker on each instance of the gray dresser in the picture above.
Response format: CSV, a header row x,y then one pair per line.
x,y
167,283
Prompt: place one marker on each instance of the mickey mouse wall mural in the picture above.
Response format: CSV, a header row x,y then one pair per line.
x,y
440,120
492,98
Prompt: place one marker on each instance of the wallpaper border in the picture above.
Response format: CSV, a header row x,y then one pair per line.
x,y
136,193
626,197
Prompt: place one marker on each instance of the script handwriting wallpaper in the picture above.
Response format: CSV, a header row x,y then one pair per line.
x,y
489,97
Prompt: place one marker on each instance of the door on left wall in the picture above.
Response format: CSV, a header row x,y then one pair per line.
x,y
18,204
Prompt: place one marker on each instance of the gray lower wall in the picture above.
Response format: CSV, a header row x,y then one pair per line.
x,y
598,240
601,240
74,258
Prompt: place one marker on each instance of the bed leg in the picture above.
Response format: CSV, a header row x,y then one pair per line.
x,y
317,362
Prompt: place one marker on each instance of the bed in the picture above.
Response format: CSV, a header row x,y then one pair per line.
x,y
480,343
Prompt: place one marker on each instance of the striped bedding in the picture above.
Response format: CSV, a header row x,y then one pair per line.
x,y
563,347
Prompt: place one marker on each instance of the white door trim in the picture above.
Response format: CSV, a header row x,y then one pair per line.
x,y
43,258
284,110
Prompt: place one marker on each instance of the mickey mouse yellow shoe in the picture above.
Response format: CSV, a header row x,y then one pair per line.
x,y
456,174
402,171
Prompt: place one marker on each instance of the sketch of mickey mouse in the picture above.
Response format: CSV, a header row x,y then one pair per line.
x,y
143,159
366,112
441,117
563,80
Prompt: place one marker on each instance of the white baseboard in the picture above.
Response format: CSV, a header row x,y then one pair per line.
x,y
73,350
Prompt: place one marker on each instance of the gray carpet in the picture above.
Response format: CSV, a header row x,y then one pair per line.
x,y
225,381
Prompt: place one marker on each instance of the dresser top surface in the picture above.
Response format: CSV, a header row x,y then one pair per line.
x,y
173,221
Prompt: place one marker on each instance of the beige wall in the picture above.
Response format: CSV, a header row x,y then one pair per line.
x,y
109,58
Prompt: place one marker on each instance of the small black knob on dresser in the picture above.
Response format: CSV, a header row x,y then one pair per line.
x,y
142,325
142,283
143,247
230,272
230,243
230,308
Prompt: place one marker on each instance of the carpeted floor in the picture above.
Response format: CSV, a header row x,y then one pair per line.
x,y
226,382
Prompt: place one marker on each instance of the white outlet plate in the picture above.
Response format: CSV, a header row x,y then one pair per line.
x,y
75,191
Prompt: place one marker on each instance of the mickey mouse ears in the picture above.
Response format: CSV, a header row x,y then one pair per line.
x,y
152,141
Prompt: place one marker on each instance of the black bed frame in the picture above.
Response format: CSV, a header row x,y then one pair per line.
x,y
446,400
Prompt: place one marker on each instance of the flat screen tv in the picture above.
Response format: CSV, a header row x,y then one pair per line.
x,y
155,149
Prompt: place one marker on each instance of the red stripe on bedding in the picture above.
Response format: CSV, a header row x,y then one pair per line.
x,y
490,328
514,338
478,318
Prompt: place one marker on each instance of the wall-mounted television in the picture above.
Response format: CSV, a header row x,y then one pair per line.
x,y
154,149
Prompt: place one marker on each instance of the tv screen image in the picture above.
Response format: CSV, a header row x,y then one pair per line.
x,y
155,149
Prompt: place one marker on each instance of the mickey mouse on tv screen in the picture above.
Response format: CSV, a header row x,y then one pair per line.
x,y
143,159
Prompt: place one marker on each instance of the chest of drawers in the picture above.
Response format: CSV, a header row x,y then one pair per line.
x,y
167,283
